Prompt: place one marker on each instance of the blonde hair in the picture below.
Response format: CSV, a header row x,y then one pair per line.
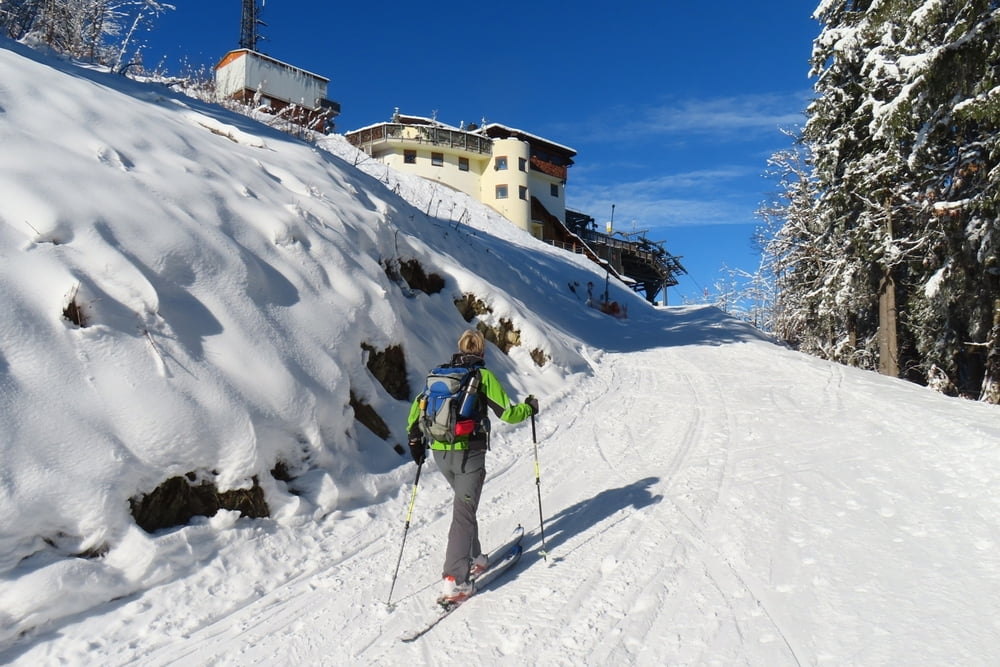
x,y
472,342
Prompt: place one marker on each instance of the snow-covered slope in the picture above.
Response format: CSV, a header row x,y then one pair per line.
x,y
710,497
228,277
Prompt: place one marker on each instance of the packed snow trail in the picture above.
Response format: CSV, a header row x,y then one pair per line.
x,y
707,501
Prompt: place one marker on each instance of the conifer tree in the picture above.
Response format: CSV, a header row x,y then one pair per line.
x,y
848,166
787,241
901,198
951,114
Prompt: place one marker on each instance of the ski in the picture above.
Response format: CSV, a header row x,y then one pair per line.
x,y
496,556
501,561
492,574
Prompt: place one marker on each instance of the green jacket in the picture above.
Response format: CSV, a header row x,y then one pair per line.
x,y
491,395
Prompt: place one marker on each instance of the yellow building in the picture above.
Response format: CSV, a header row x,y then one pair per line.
x,y
518,174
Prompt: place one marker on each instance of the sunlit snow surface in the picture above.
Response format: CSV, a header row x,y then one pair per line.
x,y
709,496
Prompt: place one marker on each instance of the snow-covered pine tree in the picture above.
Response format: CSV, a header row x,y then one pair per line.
x,y
946,119
904,142
850,170
786,238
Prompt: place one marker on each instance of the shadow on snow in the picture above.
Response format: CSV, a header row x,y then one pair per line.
x,y
587,514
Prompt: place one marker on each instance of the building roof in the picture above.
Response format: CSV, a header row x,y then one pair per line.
x,y
493,129
239,53
406,119
403,119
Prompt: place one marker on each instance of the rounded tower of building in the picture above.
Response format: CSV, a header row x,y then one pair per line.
x,y
505,181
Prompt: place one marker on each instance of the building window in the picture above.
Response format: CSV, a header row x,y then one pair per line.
x,y
463,164
500,163
522,164
553,189
522,191
501,192
410,157
437,159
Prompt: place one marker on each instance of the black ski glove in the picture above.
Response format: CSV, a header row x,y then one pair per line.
x,y
532,402
418,450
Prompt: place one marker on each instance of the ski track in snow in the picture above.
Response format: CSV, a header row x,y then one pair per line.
x,y
681,539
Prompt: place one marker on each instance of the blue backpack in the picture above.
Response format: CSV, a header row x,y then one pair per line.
x,y
448,407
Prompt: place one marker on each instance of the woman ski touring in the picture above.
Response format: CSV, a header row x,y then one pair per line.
x,y
459,442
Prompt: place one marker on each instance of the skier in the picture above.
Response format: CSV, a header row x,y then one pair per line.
x,y
463,463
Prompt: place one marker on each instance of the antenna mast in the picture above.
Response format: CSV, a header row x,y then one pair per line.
x,y
248,26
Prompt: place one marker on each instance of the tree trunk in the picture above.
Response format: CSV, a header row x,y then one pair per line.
x,y
991,377
888,339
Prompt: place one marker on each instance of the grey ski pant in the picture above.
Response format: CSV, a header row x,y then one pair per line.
x,y
465,471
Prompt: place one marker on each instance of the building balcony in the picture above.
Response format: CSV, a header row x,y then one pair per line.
x,y
546,167
397,133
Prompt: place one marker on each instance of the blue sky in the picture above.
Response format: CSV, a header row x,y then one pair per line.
x,y
673,108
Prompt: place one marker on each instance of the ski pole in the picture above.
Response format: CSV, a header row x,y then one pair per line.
x,y
538,487
406,529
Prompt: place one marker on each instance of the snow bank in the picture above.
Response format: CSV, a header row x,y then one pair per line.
x,y
225,278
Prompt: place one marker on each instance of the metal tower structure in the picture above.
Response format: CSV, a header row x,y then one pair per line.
x,y
248,26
